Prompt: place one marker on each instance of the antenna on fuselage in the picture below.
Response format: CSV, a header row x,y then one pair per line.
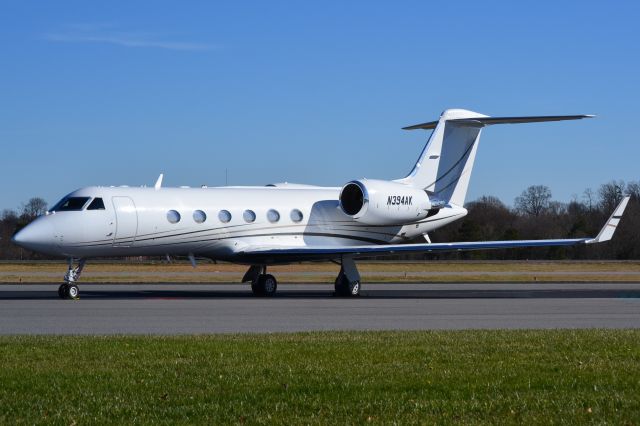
x,y
192,259
158,184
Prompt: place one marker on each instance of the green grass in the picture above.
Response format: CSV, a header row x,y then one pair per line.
x,y
590,376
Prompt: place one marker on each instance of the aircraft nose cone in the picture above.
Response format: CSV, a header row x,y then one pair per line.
x,y
37,236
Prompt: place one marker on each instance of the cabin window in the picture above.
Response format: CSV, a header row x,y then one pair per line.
x,y
173,216
273,216
249,216
199,216
70,204
224,216
96,204
296,215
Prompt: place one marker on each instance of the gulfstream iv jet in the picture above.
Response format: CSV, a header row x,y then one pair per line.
x,y
283,223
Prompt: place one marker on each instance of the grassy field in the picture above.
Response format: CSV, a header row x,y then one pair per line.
x,y
508,377
427,271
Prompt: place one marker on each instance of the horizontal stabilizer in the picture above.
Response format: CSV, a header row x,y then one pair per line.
x,y
487,121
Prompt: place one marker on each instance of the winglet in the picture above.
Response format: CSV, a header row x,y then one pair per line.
x,y
610,227
158,184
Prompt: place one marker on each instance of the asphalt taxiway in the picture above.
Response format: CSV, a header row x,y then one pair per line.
x,y
230,308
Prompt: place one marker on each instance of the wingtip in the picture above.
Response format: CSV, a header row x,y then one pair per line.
x,y
609,228
425,126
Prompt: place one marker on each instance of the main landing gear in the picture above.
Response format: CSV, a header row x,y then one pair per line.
x,y
347,284
262,284
348,281
69,290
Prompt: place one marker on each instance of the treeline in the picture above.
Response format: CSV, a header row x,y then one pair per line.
x,y
12,221
534,215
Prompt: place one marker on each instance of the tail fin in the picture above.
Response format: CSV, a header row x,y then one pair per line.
x,y
444,166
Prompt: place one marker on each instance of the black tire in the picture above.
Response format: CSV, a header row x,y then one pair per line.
x,y
62,291
346,288
340,286
256,288
265,285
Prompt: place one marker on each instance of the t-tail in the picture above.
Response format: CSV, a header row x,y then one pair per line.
x,y
445,164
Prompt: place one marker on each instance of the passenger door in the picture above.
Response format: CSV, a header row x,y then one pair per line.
x,y
126,221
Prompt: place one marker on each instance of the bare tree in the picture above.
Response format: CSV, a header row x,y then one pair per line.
x,y
589,198
33,208
9,215
490,200
633,189
534,200
8,223
611,194
557,208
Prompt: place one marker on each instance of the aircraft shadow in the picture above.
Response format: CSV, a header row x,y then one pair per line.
x,y
133,294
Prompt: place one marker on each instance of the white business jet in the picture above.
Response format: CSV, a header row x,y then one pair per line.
x,y
284,223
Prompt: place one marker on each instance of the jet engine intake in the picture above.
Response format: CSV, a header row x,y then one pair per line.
x,y
379,202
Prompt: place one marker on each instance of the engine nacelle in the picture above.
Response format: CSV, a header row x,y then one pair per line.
x,y
379,202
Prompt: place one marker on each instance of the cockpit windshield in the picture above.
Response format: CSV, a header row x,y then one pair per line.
x,y
96,204
70,204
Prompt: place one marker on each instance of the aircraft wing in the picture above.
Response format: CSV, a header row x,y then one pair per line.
x,y
279,253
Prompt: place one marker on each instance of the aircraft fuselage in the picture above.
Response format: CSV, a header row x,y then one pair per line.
x,y
210,222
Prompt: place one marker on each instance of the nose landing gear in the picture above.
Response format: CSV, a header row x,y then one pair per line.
x,y
69,290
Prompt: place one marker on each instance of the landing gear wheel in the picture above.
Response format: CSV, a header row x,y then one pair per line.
x,y
270,285
62,291
265,285
345,288
73,292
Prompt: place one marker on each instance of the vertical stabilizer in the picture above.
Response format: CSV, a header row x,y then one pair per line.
x,y
444,166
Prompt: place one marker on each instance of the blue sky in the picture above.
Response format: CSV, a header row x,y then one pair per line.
x,y
117,92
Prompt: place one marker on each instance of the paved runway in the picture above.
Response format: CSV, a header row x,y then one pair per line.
x,y
188,308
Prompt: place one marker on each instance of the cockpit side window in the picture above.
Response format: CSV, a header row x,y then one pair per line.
x,y
70,204
96,204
